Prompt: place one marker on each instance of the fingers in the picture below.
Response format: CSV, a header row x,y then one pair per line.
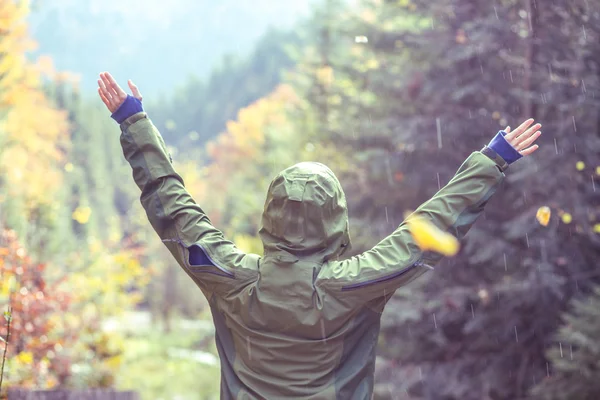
x,y
519,130
529,150
528,141
524,135
106,96
110,92
532,132
507,130
111,84
104,99
134,90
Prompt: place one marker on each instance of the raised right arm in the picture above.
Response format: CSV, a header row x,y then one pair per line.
x,y
397,260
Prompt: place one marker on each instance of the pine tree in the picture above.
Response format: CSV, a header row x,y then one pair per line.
x,y
574,374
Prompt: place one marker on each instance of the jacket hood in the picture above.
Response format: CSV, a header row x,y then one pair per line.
x,y
305,215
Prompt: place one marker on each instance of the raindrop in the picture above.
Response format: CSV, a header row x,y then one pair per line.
x,y
438,178
439,132
555,146
386,216
593,184
505,265
481,68
571,352
560,345
472,311
511,77
583,89
574,126
421,373
550,71
547,369
516,335
527,239
496,11
584,34
434,321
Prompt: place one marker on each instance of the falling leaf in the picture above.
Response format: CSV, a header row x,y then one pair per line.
x,y
82,214
580,165
429,237
543,215
598,170
566,218
69,167
25,357
597,228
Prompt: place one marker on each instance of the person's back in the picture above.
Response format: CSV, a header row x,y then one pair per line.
x,y
300,322
284,335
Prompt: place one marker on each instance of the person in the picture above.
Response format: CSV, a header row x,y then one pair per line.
x,y
302,321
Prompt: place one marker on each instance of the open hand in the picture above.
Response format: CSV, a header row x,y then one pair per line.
x,y
111,93
523,137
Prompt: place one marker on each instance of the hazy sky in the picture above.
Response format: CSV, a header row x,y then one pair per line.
x,y
156,42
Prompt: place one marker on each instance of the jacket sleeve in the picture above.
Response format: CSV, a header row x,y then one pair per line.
x,y
180,222
397,260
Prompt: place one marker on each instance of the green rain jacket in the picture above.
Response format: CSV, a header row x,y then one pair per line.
x,y
299,322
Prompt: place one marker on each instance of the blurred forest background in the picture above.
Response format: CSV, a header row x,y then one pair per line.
x,y
392,94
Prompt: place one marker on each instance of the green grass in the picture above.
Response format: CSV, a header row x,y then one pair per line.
x,y
151,368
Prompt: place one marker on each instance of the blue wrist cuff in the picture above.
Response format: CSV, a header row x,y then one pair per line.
x,y
503,148
130,106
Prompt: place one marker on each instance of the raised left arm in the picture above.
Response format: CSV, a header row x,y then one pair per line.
x,y
214,263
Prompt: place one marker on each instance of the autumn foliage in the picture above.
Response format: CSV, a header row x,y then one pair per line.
x,y
38,333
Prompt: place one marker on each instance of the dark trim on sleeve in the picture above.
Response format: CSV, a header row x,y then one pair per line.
x,y
491,154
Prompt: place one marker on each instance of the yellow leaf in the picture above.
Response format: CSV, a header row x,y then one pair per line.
x,y
567,218
543,215
580,165
82,214
25,357
325,75
597,228
429,237
598,170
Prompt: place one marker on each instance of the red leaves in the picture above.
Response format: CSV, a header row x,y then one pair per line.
x,y
37,305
